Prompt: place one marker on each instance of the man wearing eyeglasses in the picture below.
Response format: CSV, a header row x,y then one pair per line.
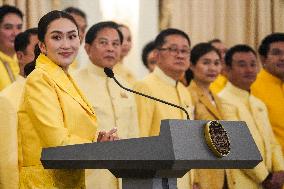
x,y
172,58
269,85
113,106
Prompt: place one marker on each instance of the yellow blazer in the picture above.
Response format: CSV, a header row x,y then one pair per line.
x,y
9,105
5,79
53,112
238,104
205,110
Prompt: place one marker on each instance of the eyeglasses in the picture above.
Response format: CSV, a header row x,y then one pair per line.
x,y
276,52
174,51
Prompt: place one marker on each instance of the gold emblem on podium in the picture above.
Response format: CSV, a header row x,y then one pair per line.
x,y
217,138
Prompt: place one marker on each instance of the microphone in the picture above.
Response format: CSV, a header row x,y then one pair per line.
x,y
110,74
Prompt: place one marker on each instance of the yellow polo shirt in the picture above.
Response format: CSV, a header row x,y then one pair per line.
x,y
270,90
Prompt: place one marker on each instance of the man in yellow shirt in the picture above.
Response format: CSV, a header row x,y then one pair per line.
x,y
221,80
172,56
269,85
238,104
11,22
9,105
112,104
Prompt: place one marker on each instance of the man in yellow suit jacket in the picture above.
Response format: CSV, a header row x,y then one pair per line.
x,y
114,106
11,21
9,105
238,104
172,53
269,84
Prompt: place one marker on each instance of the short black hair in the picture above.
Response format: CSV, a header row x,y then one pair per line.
x,y
31,66
6,9
265,43
215,40
96,28
236,49
22,40
74,10
148,48
160,39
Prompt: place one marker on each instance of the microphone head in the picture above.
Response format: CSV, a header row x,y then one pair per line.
x,y
109,72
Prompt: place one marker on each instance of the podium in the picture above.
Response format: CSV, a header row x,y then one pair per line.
x,y
155,162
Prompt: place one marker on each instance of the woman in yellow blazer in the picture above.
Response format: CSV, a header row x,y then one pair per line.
x,y
53,111
204,68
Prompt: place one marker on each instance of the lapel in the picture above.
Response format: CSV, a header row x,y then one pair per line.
x,y
258,114
63,81
204,100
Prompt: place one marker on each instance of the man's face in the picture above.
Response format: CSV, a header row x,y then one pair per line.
x,y
10,27
82,25
274,62
105,49
221,48
243,70
28,55
173,56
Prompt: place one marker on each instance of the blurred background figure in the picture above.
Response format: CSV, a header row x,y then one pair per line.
x,y
121,69
114,106
221,80
11,23
269,84
173,50
240,105
148,56
10,158
205,66
81,20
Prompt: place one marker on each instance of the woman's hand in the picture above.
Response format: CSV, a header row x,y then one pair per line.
x,y
108,136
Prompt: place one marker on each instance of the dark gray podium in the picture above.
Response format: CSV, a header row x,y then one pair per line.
x,y
156,162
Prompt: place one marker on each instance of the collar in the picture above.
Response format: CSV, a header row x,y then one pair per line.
x,y
63,80
242,94
7,58
205,100
269,77
157,71
94,69
20,78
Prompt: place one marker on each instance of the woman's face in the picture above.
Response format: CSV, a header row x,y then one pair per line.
x,y
127,41
61,42
207,68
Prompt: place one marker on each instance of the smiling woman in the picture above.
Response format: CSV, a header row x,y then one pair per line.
x,y
53,111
